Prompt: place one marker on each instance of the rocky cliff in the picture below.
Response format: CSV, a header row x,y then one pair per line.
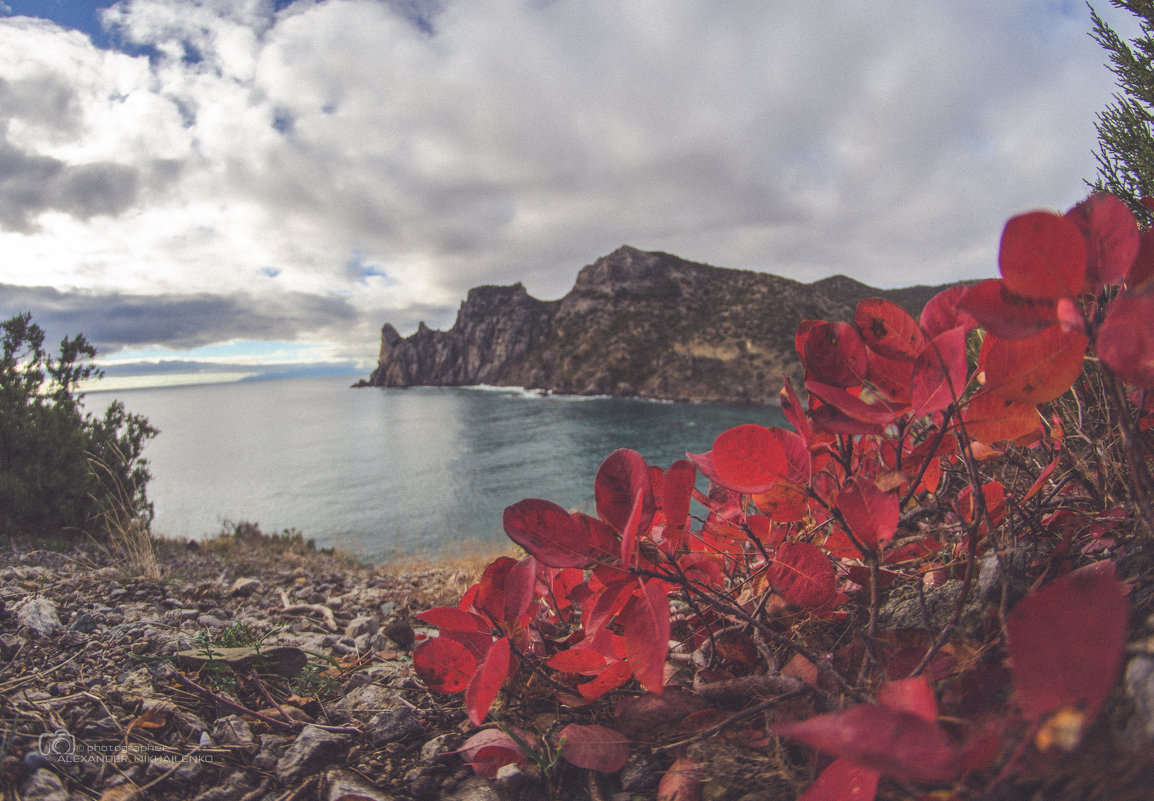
x,y
635,323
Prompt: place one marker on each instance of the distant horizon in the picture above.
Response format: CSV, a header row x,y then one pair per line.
x,y
207,373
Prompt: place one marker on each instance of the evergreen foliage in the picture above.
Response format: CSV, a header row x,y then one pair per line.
x,y
1126,126
64,471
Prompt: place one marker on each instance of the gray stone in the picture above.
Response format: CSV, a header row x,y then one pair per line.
x,y
313,749
473,788
83,622
640,774
437,747
9,645
394,724
234,730
272,748
38,614
906,613
237,785
44,785
343,784
1139,683
361,624
183,771
211,621
244,587
368,698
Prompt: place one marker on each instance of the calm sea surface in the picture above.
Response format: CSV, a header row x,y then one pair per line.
x,y
392,471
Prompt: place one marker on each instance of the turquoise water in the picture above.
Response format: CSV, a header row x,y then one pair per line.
x,y
386,471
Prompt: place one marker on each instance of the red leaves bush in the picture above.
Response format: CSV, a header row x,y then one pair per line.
x,y
801,522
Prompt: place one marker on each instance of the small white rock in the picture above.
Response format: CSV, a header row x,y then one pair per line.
x,y
38,614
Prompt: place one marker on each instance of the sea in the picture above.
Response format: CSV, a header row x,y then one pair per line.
x,y
381,473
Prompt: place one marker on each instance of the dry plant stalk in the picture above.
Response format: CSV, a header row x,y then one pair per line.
x,y
125,530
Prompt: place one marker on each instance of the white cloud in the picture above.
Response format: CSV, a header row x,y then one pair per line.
x,y
455,143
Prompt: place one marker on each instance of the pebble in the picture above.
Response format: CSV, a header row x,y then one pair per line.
x,y
438,747
234,730
38,614
1139,684
311,750
244,587
361,624
272,748
344,785
473,789
394,724
44,785
85,623
368,698
9,645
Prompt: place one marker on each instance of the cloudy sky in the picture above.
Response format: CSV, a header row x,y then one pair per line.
x,y
241,181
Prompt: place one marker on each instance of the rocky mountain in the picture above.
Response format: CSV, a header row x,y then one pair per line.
x,y
636,323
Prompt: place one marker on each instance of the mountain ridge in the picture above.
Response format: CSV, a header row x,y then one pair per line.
x,y
635,324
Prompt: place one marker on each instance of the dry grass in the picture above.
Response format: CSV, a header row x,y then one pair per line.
x,y
125,530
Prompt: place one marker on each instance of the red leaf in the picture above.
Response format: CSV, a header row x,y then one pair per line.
x,y
792,409
490,749
1111,236
548,532
894,742
993,418
645,627
450,618
880,412
870,513
612,677
891,377
1034,370
749,458
888,329
636,715
802,574
1126,338
679,483
1007,314
445,666
520,588
681,782
487,681
602,541
833,353
940,372
594,747
915,696
490,597
830,419
1143,269
633,529
622,481
1043,255
843,780
1066,642
576,660
943,312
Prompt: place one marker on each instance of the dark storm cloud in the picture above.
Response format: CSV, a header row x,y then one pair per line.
x,y
32,184
112,321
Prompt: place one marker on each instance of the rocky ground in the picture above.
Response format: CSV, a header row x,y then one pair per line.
x,y
257,669
246,671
